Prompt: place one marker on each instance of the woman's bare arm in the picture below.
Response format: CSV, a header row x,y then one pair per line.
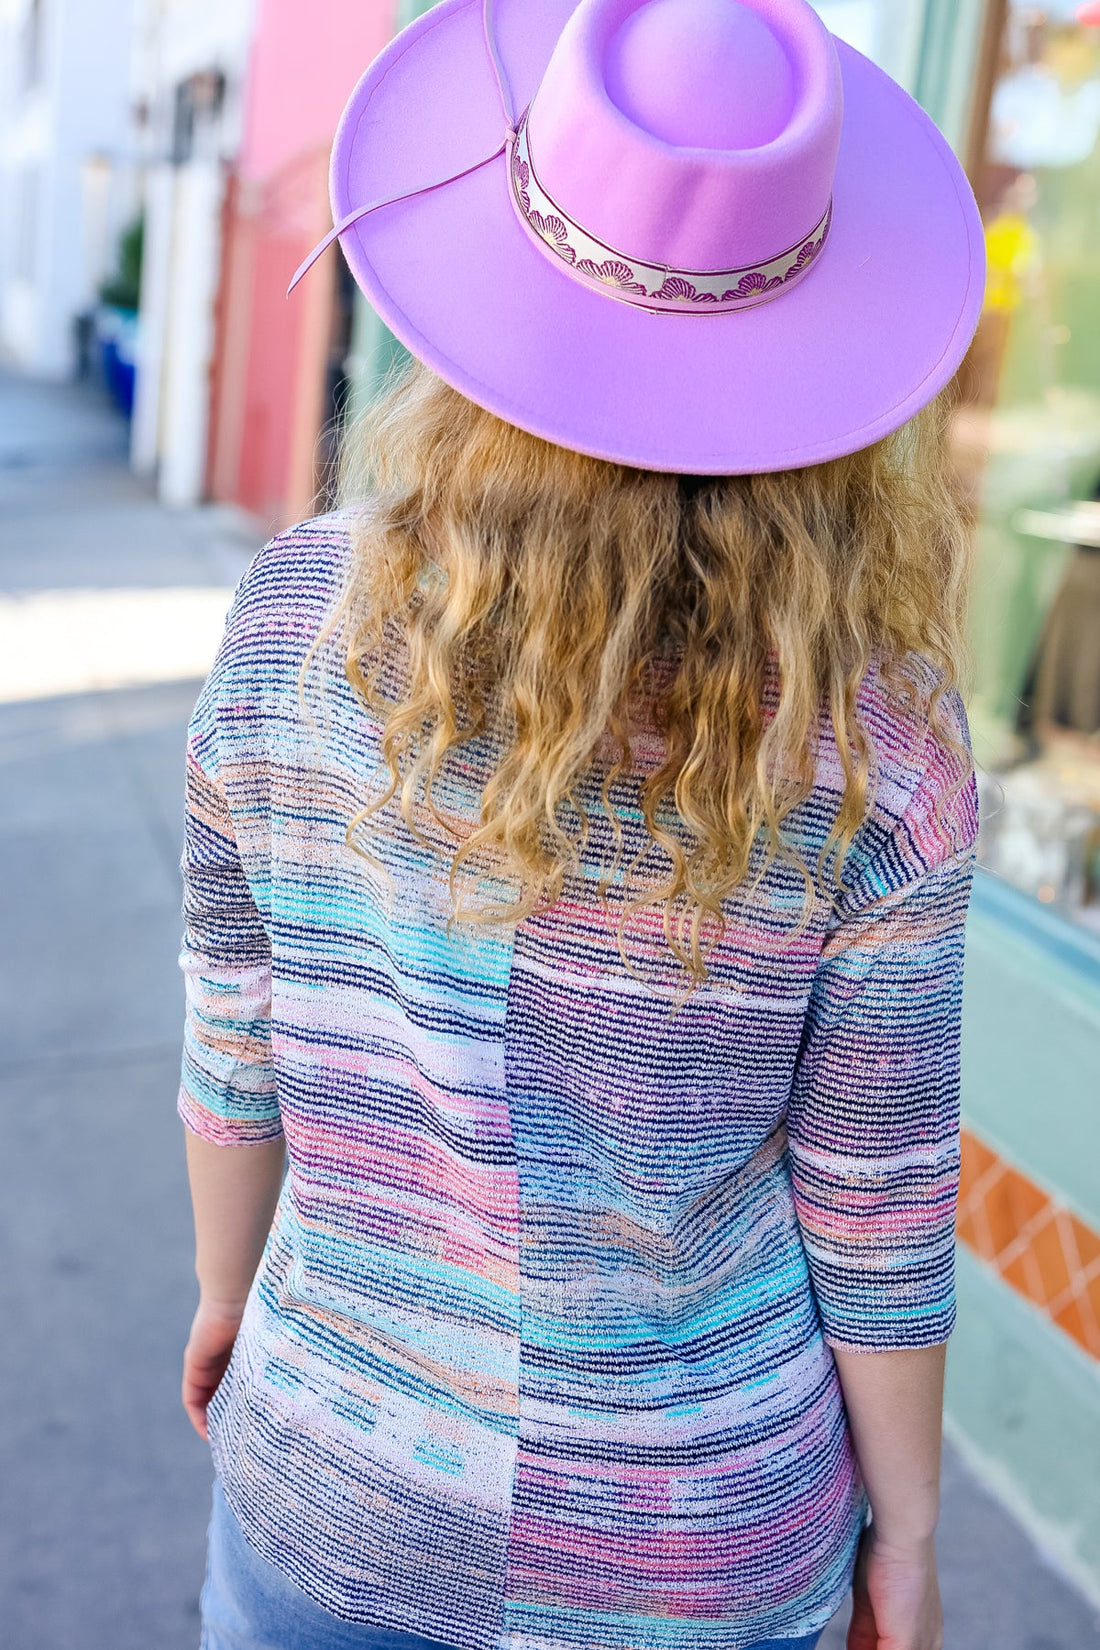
x,y
895,1413
234,1190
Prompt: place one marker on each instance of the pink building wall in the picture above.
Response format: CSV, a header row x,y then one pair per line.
x,y
269,390
306,59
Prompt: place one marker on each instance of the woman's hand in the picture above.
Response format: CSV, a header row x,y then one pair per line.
x,y
206,1357
234,1191
894,1403
895,1596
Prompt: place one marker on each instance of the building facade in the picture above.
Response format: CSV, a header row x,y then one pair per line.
x,y
188,77
284,366
1024,1377
232,105
1016,85
67,179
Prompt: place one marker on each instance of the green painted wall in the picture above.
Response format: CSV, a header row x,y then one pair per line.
x,y
947,62
1023,1400
1031,1042
1023,1406
375,352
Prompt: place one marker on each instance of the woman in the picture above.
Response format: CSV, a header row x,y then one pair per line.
x,y
579,842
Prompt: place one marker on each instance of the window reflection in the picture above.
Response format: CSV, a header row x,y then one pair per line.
x,y
1027,438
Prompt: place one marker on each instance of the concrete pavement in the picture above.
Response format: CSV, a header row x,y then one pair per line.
x,y
103,1487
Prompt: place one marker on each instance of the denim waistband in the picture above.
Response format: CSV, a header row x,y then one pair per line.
x,y
248,1604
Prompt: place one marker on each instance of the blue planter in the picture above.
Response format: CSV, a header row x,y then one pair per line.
x,y
116,332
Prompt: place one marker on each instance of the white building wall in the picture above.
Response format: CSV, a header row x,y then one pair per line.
x,y
188,347
66,172
182,37
176,41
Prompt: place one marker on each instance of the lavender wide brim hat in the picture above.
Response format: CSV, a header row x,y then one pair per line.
x,y
689,235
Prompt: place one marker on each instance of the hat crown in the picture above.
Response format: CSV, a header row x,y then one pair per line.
x,y
745,97
698,134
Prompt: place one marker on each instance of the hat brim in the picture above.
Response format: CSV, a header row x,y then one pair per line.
x,y
868,338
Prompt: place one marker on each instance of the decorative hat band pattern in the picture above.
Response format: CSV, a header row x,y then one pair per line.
x,y
652,286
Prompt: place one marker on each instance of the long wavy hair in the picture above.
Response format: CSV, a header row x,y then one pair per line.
x,y
562,602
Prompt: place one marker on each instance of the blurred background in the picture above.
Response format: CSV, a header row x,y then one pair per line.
x,y
162,410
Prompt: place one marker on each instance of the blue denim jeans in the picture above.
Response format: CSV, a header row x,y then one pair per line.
x,y
248,1604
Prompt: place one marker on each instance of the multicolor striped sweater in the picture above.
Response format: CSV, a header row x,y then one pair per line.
x,y
538,1354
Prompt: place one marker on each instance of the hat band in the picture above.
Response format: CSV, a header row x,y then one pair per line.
x,y
652,286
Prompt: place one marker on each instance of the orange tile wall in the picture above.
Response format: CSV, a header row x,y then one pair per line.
x,y
1040,1249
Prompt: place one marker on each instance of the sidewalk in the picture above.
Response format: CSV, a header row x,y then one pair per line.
x,y
104,1486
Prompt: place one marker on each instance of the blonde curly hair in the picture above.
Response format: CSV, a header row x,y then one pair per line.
x,y
560,600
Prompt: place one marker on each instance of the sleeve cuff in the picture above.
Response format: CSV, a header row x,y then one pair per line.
x,y
889,1332
221,1130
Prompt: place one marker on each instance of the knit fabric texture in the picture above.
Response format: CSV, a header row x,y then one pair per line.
x,y
538,1353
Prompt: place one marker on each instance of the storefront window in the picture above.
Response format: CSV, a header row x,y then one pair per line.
x,y
1027,438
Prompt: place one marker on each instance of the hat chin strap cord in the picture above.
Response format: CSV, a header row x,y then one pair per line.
x,y
506,142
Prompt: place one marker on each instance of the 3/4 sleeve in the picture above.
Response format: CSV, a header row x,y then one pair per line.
x,y
227,1090
873,1121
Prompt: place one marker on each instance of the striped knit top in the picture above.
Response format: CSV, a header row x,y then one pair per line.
x,y
538,1353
